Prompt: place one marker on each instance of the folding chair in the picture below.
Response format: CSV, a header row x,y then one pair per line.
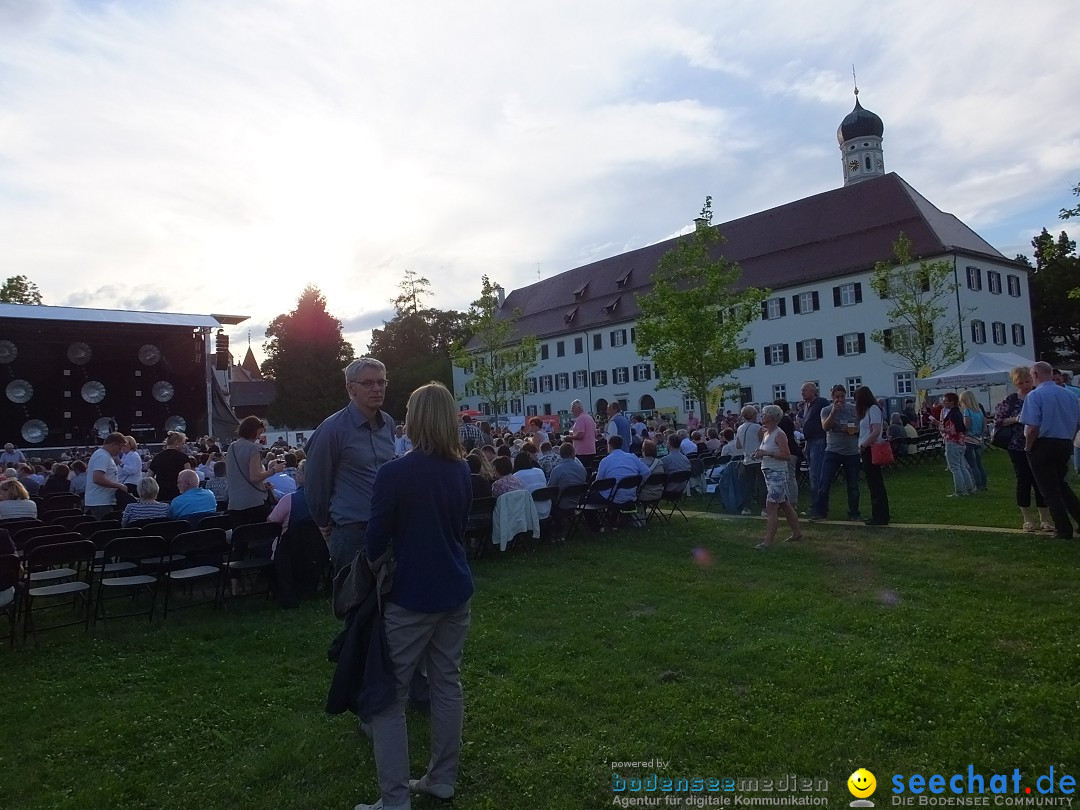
x,y
53,574
168,529
126,551
651,492
24,536
712,483
53,515
62,501
14,525
478,526
75,556
10,571
101,540
206,545
71,522
542,496
566,508
597,500
214,521
674,493
88,530
621,511
250,550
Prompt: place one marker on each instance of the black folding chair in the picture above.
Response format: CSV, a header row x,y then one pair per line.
x,y
53,515
74,559
205,554
651,492
250,551
61,501
71,522
545,495
23,536
120,573
621,511
674,493
101,539
596,504
566,508
478,527
10,571
88,530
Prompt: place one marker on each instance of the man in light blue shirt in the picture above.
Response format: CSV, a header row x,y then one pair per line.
x,y
1051,417
619,464
569,470
193,499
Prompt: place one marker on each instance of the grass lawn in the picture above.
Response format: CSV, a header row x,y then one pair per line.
x,y
917,494
900,651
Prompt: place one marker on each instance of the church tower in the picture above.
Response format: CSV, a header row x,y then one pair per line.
x,y
859,136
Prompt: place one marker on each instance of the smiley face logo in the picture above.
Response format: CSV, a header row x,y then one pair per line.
x,y
861,783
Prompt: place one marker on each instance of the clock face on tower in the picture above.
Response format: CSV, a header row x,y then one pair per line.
x,y
853,165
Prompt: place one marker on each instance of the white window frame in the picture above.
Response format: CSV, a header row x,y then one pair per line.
x,y
530,410
772,309
689,403
904,383
515,407
1014,285
581,379
620,375
974,277
776,354
1018,329
993,282
1001,334
806,302
618,337
809,349
851,344
853,384
562,381
545,383
978,331
779,391
847,295
643,371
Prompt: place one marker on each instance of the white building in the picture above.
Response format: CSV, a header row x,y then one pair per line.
x,y
816,255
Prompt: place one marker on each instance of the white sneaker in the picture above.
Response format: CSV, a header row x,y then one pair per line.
x,y
380,806
422,785
746,512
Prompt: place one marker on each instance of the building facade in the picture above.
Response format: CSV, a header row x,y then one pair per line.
x,y
816,256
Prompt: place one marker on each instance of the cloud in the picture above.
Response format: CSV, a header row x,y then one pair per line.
x,y
203,157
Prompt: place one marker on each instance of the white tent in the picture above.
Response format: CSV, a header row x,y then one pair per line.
x,y
984,368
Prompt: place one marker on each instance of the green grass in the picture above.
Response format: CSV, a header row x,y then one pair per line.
x,y
917,494
896,650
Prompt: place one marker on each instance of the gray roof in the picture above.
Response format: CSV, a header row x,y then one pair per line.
x,y
114,316
833,234
247,394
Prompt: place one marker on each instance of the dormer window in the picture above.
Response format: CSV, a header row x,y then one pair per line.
x,y
579,293
622,282
610,308
570,314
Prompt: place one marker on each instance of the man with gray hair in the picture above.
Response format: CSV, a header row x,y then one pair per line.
x,y
1051,418
343,455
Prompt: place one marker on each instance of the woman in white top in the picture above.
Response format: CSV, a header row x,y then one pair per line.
x,y
747,439
773,454
871,425
130,465
532,478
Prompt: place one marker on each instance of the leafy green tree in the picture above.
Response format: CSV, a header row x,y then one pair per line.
x,y
692,280
1069,213
498,357
919,297
305,356
1055,311
415,343
19,290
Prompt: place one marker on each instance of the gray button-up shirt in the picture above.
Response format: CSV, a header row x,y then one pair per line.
x,y
343,455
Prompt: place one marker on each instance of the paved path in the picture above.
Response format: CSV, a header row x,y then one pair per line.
x,y
852,523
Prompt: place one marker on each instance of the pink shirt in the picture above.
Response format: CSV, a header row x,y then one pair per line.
x,y
584,424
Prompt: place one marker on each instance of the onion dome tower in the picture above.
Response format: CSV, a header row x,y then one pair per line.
x,y
859,136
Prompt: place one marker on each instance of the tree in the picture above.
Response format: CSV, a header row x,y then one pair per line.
x,y
688,286
1055,311
305,356
919,297
1069,213
19,290
415,343
499,358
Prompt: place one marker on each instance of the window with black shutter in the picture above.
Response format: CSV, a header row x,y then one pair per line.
x,y
795,305
840,344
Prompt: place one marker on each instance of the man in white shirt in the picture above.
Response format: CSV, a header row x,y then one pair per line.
x,y
104,492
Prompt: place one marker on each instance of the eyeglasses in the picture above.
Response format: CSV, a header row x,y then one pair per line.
x,y
369,384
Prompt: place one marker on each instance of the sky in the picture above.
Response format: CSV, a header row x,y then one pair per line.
x,y
215,156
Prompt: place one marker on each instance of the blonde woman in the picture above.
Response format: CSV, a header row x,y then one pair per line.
x,y
975,429
1005,418
773,454
426,614
15,501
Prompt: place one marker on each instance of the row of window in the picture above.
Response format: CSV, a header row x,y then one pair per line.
x,y
616,337
846,295
581,379
997,329
993,281
903,384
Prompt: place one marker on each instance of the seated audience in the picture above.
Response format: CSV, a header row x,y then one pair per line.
x,y
569,470
532,478
148,507
218,483
713,443
481,486
675,460
78,477
619,464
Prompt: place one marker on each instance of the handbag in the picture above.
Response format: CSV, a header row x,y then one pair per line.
x,y
1003,436
881,454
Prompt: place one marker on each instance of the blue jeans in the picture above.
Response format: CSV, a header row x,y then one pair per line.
x,y
345,542
815,457
973,455
963,482
831,463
